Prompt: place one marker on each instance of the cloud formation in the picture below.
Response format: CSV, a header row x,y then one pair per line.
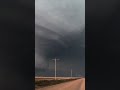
x,y
59,32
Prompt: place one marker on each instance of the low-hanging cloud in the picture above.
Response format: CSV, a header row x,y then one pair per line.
x,y
59,32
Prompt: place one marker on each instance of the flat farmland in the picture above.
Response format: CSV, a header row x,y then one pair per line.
x,y
57,78
48,81
62,84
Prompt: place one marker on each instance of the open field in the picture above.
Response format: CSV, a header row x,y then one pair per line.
x,y
52,78
48,81
78,84
43,83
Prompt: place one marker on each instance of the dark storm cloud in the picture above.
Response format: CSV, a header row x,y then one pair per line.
x,y
59,32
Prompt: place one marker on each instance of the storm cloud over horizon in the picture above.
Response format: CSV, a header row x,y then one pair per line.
x,y
60,33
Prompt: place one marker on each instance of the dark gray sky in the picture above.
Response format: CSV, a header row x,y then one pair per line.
x,y
60,33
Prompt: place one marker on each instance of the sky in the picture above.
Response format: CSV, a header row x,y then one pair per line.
x,y
60,33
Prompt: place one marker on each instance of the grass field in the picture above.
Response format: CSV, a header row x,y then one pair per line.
x,y
42,82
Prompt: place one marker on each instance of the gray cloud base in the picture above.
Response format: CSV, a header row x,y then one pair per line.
x,y
59,32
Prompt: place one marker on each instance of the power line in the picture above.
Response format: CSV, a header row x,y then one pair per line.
x,y
71,73
55,66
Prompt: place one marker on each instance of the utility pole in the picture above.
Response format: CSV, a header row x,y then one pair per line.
x,y
71,73
55,66
76,75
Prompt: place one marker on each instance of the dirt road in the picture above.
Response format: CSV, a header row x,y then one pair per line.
x,y
72,85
